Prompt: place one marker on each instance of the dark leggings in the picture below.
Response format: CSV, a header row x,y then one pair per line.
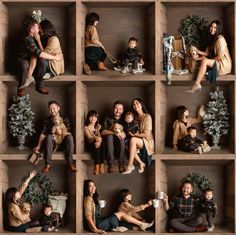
x,y
134,62
209,219
20,228
97,154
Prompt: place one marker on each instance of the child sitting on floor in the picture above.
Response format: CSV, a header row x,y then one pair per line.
x,y
132,55
191,143
128,208
48,221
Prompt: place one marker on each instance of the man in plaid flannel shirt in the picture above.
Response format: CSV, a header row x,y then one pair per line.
x,y
182,210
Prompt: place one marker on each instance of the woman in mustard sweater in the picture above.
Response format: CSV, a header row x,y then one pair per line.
x,y
94,50
16,219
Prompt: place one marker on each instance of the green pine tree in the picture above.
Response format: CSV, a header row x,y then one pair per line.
x,y
216,120
20,119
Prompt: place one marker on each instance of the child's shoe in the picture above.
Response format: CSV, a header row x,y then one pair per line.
x,y
124,70
199,150
47,76
210,228
206,149
101,169
96,169
120,229
134,71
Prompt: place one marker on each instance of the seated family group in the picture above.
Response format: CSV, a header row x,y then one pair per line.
x,y
186,212
132,131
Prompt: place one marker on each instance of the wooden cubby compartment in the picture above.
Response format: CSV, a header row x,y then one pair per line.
x,y
175,95
62,179
64,93
126,91
142,187
61,14
120,21
221,173
172,13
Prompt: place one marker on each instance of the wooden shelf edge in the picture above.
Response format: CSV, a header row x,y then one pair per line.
x,y
24,157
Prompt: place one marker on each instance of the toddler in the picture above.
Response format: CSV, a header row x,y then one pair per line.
x,y
208,206
191,143
129,209
48,221
132,55
130,126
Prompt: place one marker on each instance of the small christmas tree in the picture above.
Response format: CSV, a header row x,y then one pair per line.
x,y
21,117
216,120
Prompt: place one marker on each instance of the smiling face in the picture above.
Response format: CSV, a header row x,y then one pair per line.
x,y
54,109
193,133
213,29
137,106
93,119
187,189
129,118
91,188
47,211
118,110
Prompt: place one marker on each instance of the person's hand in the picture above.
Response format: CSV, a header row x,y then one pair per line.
x,y
97,144
202,111
100,231
36,149
37,36
32,174
165,199
149,202
57,57
102,47
131,134
120,135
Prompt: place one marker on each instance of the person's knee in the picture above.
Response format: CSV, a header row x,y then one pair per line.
x,y
42,62
49,138
204,62
173,223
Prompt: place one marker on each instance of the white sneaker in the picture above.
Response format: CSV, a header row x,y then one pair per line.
x,y
120,229
199,150
134,71
124,70
46,76
211,228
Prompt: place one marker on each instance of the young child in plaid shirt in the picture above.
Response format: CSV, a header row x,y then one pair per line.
x,y
208,206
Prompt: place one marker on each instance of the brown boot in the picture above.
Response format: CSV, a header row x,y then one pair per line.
x,y
46,169
101,169
42,90
72,167
110,168
96,169
101,66
21,92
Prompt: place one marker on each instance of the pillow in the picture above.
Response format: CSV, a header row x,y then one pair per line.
x,y
58,204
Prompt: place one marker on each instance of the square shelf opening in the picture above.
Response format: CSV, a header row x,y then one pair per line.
x,y
142,187
118,22
221,173
61,179
172,13
63,17
64,93
100,96
175,95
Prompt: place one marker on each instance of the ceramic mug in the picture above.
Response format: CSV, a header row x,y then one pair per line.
x,y
160,195
102,203
156,203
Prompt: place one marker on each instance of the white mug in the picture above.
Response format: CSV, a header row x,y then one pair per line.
x,y
160,195
156,203
102,203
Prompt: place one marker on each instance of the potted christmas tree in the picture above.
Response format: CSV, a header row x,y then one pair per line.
x,y
216,120
20,120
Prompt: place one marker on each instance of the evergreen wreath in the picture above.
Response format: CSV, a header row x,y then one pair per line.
x,y
200,182
38,190
195,31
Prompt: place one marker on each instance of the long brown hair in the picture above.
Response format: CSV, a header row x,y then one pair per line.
x,y
92,113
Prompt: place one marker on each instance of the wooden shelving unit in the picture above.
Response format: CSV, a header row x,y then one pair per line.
x,y
77,93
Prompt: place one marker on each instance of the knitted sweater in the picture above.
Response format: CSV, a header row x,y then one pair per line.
x,y
91,37
131,210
